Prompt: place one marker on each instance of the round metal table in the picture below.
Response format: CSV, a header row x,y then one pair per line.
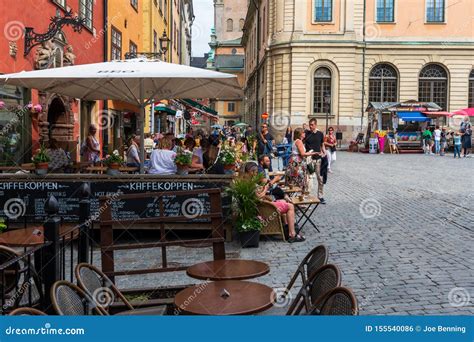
x,y
228,270
226,297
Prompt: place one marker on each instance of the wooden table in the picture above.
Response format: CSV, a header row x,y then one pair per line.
x,y
291,191
244,298
228,270
303,206
26,237
276,173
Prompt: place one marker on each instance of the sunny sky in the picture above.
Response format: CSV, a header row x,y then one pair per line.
x,y
204,12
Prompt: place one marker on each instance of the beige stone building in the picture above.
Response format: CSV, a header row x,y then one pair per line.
x,y
310,58
229,18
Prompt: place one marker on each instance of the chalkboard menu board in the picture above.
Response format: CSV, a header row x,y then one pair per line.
x,y
24,200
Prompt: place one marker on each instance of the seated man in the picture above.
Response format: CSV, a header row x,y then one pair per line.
x,y
264,163
284,206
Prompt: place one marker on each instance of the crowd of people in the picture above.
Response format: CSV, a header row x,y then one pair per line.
x,y
435,141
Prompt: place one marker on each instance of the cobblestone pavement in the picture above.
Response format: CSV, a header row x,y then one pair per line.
x,y
400,227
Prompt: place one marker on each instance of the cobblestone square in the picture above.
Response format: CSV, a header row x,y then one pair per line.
x,y
399,227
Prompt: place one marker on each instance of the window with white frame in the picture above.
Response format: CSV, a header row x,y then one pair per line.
x,y
116,49
85,12
385,11
231,107
435,11
322,89
383,85
433,85
323,10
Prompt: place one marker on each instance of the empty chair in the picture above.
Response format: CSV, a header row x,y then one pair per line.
x,y
19,281
320,282
27,312
340,301
69,300
98,286
316,258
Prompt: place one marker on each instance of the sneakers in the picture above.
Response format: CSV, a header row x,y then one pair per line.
x,y
322,201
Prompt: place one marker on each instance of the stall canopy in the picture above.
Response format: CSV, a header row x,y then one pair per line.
x,y
137,81
464,112
413,116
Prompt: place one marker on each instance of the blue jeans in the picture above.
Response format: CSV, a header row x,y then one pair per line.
x,y
457,150
437,146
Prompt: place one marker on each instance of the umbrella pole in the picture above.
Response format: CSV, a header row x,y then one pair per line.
x,y
142,128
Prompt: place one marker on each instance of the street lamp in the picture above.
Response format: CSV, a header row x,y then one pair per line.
x,y
327,102
164,42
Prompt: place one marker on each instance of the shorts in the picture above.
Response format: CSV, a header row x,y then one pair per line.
x,y
282,206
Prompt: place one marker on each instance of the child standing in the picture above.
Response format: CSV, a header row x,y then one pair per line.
x,y
457,144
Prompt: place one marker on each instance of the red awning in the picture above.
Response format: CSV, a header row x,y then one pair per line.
x,y
438,113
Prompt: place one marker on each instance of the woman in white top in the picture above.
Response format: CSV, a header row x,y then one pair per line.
x,y
162,159
92,147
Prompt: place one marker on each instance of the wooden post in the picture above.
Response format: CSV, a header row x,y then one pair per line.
x,y
51,253
107,238
216,226
86,223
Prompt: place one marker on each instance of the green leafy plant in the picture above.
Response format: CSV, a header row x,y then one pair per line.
x,y
3,225
114,158
183,157
244,203
41,156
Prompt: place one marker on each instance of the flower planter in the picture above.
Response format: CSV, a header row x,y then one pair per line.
x,y
113,169
249,239
41,169
229,169
182,170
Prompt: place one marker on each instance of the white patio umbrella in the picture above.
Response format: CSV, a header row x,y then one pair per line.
x,y
136,81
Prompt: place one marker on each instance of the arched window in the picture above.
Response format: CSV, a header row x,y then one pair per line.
x,y
471,89
322,90
383,82
230,25
433,85
241,24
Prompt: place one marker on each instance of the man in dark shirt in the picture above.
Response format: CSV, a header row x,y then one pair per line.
x,y
315,141
265,143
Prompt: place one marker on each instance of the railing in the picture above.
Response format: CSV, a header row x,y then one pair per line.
x,y
108,246
27,283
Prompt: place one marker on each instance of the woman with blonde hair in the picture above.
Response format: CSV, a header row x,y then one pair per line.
x,y
162,158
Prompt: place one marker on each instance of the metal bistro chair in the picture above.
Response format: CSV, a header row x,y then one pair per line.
x,y
340,301
96,284
316,258
69,300
27,312
323,280
19,277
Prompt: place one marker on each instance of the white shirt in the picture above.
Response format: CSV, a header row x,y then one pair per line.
x,y
437,134
162,162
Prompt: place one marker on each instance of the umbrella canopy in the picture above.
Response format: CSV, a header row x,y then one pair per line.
x,y
121,80
136,81
464,112
240,125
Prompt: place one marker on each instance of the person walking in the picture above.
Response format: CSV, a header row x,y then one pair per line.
x,y
314,141
437,140
265,142
443,141
457,144
466,138
289,135
330,144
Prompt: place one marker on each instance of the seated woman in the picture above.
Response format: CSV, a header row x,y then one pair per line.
x,y
197,160
284,206
162,159
133,158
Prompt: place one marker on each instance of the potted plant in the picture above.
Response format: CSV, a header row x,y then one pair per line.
x,y
113,163
228,157
183,161
41,160
244,205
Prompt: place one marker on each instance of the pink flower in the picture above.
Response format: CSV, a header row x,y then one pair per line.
x,y
2,104
29,106
38,108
